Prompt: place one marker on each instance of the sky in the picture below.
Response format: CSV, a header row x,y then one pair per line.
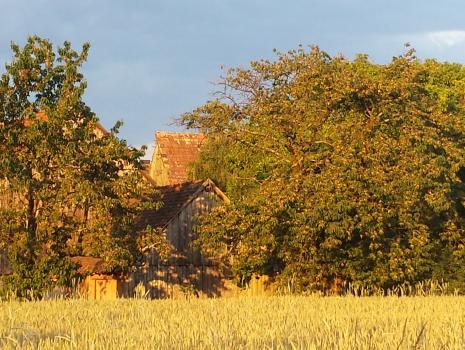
x,y
151,60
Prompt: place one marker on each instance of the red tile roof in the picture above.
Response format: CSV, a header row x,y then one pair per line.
x,y
177,151
39,115
99,129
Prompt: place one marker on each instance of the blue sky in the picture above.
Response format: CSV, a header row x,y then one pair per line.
x,y
152,60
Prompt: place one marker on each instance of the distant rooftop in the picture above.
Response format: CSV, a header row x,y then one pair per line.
x,y
88,264
173,154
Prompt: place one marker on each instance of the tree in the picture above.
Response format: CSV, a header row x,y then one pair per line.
x,y
337,169
72,187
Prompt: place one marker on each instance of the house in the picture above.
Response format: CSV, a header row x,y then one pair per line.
x,y
173,154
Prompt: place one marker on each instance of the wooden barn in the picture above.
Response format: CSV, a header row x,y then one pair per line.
x,y
186,271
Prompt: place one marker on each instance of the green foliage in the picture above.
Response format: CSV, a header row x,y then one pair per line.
x,y
71,188
337,169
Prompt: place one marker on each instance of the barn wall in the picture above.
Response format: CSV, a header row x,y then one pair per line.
x,y
186,272
5,267
177,281
181,231
104,287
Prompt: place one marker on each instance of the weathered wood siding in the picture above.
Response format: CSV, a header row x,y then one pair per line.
x,y
175,281
104,287
186,272
5,267
180,230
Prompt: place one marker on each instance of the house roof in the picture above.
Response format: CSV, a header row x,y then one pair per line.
x,y
88,264
42,116
177,151
145,164
99,128
174,198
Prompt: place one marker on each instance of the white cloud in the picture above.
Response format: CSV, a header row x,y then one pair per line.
x,y
443,45
446,38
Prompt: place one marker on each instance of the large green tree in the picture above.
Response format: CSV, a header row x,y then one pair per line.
x,y
337,169
71,188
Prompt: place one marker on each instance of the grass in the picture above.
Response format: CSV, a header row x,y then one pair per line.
x,y
287,322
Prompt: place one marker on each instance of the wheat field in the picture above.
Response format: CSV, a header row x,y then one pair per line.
x,y
287,322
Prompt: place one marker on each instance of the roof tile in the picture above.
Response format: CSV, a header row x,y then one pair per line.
x,y
178,151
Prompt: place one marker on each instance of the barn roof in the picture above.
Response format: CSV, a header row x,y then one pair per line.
x,y
175,198
88,264
145,164
177,151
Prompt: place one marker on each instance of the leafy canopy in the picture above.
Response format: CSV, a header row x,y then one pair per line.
x,y
68,186
338,169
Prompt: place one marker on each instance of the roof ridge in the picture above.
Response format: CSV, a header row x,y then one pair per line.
x,y
158,132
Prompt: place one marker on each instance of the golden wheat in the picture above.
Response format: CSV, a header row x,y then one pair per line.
x,y
287,322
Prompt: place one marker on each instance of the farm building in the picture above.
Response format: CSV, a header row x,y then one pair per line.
x,y
172,155
186,271
98,285
183,201
186,268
